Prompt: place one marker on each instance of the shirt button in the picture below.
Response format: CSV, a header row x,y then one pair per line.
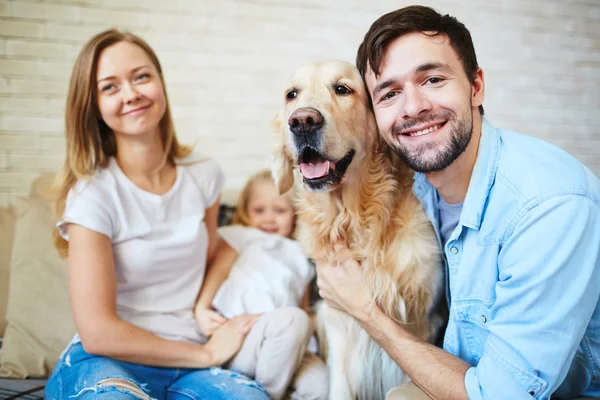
x,y
483,319
453,250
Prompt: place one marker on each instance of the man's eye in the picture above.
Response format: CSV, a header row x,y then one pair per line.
x,y
342,90
291,95
434,79
388,95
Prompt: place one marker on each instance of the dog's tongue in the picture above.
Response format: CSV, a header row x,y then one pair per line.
x,y
313,171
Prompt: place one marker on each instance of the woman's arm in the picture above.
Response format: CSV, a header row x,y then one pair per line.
x,y
218,271
211,219
92,286
209,320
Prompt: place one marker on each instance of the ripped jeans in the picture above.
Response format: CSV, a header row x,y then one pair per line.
x,y
82,376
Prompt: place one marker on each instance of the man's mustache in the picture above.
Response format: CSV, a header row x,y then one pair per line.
x,y
411,123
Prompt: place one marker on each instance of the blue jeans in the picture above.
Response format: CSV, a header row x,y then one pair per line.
x,y
80,375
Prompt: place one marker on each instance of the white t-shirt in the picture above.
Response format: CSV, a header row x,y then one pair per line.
x,y
270,272
159,241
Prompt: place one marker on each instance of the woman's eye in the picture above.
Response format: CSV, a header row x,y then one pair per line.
x,y
142,76
259,210
342,90
107,88
291,95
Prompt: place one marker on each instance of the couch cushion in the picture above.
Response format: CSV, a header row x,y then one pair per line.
x,y
7,227
39,318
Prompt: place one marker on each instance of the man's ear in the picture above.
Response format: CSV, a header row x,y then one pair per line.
x,y
282,167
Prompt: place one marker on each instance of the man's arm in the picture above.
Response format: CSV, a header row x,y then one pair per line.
x,y
547,291
437,372
549,267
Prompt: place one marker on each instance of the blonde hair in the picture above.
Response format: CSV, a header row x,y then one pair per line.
x,y
241,212
90,142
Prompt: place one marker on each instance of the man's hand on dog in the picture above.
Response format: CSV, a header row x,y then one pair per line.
x,y
342,286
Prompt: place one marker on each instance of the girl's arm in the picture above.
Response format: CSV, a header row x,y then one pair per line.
x,y
92,287
305,302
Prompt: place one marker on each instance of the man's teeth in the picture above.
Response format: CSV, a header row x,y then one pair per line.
x,y
424,131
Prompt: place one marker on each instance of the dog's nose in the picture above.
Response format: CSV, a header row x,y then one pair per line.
x,y
305,121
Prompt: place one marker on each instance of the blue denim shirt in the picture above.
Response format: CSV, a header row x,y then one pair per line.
x,y
523,271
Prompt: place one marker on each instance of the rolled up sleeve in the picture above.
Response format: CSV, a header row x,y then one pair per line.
x,y
547,291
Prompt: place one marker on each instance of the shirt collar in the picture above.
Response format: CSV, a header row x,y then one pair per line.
x,y
482,178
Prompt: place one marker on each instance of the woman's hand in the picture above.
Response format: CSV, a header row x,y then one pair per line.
x,y
228,338
208,320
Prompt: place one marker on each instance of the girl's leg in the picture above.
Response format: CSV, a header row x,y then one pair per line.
x,y
311,381
215,384
81,376
273,350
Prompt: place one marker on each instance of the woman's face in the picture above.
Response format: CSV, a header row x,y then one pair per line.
x,y
131,97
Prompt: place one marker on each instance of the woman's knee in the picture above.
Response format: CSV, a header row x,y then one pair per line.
x,y
215,384
109,389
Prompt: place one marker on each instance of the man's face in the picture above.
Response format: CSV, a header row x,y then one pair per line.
x,y
424,101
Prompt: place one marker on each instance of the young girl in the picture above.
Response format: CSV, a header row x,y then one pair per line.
x,y
139,212
263,270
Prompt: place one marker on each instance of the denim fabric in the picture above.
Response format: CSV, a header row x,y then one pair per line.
x,y
79,375
523,271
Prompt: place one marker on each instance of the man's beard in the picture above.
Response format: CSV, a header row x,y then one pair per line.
x,y
460,136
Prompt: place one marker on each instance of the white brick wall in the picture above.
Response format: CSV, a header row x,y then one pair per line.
x,y
226,63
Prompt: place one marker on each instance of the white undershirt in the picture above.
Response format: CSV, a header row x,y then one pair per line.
x,y
159,241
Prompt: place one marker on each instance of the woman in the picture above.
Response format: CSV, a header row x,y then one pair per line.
x,y
139,212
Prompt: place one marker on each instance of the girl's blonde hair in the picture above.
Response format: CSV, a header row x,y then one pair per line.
x,y
241,213
90,142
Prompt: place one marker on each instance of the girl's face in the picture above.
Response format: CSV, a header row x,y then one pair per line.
x,y
269,211
131,97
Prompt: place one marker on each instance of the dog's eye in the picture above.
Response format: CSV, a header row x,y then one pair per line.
x,y
291,95
342,90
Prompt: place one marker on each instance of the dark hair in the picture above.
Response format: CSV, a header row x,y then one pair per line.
x,y
412,19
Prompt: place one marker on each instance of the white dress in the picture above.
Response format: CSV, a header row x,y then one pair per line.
x,y
270,272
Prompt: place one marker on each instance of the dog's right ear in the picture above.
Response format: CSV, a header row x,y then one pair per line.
x,y
282,167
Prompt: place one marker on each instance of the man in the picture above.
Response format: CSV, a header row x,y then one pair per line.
x,y
517,218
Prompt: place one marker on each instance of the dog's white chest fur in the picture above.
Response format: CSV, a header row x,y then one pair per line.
x,y
358,367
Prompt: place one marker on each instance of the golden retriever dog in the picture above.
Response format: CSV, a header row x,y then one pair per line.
x,y
357,195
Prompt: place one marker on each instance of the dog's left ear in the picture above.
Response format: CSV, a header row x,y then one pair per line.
x,y
282,167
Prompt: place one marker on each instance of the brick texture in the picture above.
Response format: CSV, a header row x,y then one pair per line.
x,y
227,62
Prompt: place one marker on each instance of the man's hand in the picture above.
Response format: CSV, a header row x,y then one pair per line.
x,y
343,287
208,320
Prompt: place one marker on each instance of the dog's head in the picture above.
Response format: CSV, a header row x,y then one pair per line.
x,y
325,128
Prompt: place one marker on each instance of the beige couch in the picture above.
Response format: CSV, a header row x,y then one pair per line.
x,y
35,318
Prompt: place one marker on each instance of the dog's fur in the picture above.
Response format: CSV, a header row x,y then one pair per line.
x,y
371,214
